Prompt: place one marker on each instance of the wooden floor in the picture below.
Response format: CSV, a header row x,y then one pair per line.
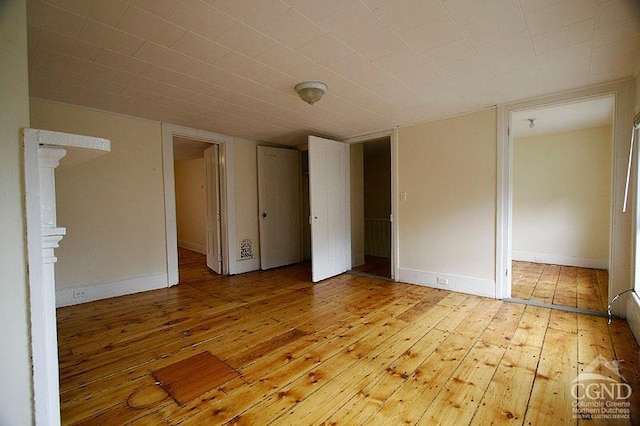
x,y
270,347
582,288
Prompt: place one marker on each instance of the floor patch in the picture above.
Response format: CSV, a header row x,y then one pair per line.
x,y
188,379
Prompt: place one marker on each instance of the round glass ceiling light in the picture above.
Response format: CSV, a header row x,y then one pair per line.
x,y
311,91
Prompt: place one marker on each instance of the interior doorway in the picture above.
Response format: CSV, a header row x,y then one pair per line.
x,y
224,221
621,222
374,214
562,203
382,153
197,196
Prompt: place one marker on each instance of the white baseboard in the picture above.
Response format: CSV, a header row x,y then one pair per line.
x,y
99,291
461,284
192,246
633,315
554,259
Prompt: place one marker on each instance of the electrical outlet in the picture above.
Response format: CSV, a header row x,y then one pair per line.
x,y
538,258
79,293
442,281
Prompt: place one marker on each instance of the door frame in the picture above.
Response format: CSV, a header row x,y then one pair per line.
x,y
392,134
227,198
620,270
213,216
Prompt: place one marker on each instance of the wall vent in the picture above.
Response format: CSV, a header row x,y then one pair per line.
x,y
246,249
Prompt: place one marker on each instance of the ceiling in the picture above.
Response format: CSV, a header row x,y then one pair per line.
x,y
230,66
585,114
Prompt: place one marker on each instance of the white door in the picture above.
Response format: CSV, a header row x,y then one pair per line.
x,y
330,208
212,184
279,206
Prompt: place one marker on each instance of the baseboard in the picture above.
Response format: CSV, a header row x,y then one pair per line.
x,y
633,315
192,246
99,291
461,284
554,259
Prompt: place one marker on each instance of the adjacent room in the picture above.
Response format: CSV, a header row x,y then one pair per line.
x,y
562,203
301,212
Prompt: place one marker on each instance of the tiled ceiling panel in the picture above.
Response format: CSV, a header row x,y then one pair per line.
x,y
230,66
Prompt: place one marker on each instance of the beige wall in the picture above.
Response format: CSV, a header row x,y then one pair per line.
x,y
246,192
191,204
112,206
15,360
561,196
357,204
447,169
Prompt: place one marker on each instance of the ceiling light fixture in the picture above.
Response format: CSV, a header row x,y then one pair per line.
x,y
311,91
532,123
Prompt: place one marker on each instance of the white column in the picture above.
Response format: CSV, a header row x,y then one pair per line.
x,y
48,159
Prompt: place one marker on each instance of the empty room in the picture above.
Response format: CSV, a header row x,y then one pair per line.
x,y
302,212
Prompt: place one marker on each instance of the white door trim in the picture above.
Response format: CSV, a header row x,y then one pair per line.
x,y
227,196
620,270
395,223
214,215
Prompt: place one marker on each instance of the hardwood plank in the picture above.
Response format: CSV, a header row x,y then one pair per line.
x,y
506,398
461,395
551,400
348,350
368,401
427,380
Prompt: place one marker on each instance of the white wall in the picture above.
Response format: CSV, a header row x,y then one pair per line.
x,y
447,225
191,204
112,206
16,393
561,197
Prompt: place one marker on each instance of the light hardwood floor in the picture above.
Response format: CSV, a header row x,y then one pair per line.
x,y
348,350
582,288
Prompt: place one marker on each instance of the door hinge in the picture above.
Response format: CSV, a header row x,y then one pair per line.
x,y
506,272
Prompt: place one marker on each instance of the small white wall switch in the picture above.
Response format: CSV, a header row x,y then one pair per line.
x,y
403,196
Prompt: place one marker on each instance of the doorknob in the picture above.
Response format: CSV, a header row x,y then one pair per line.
x,y
264,214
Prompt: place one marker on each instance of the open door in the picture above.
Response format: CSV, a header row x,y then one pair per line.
x,y
212,176
329,187
279,206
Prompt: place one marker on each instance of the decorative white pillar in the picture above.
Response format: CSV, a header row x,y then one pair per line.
x,y
42,154
48,159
